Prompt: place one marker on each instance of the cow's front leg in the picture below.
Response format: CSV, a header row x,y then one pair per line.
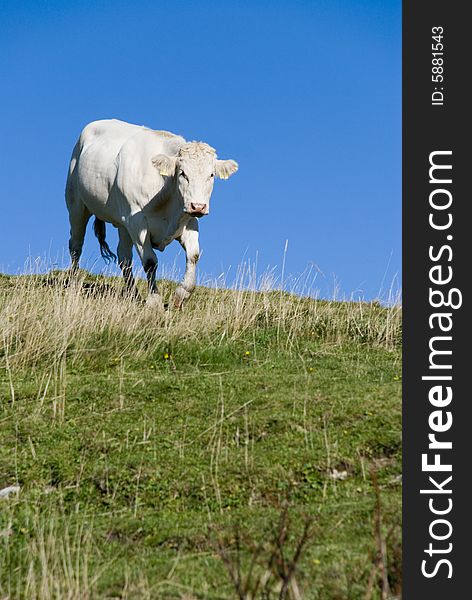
x,y
150,268
142,241
189,242
125,259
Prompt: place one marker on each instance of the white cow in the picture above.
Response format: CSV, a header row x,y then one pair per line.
x,y
152,185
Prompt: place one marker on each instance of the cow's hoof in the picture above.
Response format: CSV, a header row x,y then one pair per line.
x,y
154,301
180,296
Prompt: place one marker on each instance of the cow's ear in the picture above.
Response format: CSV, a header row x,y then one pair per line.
x,y
164,164
225,168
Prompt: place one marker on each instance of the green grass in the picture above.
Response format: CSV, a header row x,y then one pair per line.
x,y
137,437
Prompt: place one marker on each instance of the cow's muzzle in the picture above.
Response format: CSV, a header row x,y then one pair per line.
x,y
198,210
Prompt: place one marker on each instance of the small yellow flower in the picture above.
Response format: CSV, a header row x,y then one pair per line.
x,y
247,353
166,356
310,369
316,561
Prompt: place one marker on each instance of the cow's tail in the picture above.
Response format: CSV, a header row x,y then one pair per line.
x,y
99,230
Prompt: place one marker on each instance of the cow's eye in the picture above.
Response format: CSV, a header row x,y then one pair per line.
x,y
212,175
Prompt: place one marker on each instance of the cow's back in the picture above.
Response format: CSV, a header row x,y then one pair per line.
x,y
98,147
112,152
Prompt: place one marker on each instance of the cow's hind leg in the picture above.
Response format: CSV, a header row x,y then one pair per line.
x,y
79,216
125,259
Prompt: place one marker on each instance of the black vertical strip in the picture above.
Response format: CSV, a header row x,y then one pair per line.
x,y
431,128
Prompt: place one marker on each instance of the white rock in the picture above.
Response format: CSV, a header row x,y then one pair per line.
x,y
335,474
11,489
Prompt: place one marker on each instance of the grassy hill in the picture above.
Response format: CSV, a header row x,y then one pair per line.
x,y
156,452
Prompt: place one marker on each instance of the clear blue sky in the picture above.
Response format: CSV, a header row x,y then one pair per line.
x,y
306,96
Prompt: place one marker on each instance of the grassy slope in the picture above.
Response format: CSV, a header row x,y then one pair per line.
x,y
130,432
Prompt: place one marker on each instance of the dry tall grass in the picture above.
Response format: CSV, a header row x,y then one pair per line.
x,y
48,317
57,557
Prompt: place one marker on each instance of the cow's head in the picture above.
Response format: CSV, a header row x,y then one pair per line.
x,y
195,169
